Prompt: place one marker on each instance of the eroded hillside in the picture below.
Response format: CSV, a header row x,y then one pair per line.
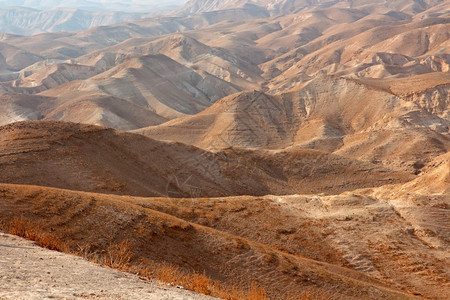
x,y
301,147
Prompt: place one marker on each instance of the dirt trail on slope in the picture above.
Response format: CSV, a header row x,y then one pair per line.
x,y
30,272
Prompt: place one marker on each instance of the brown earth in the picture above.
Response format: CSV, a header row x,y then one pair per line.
x,y
79,218
392,122
70,277
321,129
98,159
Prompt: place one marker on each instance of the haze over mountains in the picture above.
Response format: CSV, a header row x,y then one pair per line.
x,y
293,140
34,17
26,21
94,5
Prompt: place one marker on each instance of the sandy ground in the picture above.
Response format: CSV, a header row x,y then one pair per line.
x,y
30,272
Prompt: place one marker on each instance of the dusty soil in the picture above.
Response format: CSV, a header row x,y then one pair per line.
x,y
31,272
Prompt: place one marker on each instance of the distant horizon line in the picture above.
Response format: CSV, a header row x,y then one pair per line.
x,y
97,6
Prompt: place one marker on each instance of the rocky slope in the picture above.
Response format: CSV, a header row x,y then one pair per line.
x,y
218,254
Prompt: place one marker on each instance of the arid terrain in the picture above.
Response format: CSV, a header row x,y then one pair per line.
x,y
240,149
70,277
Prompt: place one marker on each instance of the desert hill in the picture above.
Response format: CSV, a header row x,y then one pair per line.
x,y
143,91
401,223
97,159
95,108
311,33
14,59
302,239
216,56
217,53
37,78
69,45
300,145
158,237
185,49
354,118
45,273
294,6
154,82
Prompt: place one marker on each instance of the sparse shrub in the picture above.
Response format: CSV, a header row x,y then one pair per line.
x,y
118,256
168,273
256,293
201,284
34,232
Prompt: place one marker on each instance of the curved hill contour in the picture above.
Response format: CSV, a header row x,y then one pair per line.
x,y
97,159
96,221
370,120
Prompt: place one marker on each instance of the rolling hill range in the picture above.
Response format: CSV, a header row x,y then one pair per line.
x,y
286,243
297,146
215,54
28,21
160,237
293,6
97,159
371,120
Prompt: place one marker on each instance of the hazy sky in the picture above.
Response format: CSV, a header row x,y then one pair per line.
x,y
125,5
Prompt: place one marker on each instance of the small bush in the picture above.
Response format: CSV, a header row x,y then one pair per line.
x,y
118,256
256,293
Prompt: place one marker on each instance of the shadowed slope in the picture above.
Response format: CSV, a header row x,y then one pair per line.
x,y
371,120
91,158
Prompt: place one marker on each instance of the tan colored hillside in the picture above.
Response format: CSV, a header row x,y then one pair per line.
x,y
159,237
370,120
217,53
49,274
97,159
288,149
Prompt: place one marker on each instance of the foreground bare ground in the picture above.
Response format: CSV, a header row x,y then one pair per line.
x,y
31,272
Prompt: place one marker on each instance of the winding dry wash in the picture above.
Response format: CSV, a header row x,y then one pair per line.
x,y
239,149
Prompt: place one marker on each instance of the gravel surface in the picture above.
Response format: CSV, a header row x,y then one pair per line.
x,y
31,272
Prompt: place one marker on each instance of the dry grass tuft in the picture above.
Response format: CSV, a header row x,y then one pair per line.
x,y
256,293
34,232
118,256
168,273
201,284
